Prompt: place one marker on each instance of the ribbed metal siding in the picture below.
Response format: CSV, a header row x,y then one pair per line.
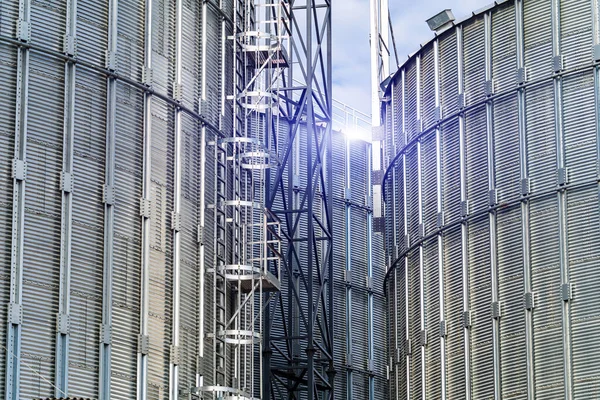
x,y
579,127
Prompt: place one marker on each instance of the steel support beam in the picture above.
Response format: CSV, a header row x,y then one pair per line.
x,y
308,263
177,171
61,378
15,307
109,195
562,204
492,220
145,212
440,237
521,103
348,328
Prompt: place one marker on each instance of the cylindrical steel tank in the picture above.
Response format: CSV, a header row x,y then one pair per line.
x,y
492,208
105,109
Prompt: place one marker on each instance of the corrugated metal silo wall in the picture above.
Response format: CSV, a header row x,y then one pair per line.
x,y
498,188
46,124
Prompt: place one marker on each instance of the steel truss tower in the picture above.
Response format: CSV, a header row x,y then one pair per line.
x,y
298,354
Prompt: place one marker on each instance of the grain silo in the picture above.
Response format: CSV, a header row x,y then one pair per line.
x,y
156,158
492,208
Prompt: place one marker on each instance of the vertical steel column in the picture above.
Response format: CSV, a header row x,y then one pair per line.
x,y
525,189
348,327
394,251
464,211
440,213
310,133
15,308
175,224
489,109
62,318
145,212
421,230
370,317
407,345
562,201
109,208
202,206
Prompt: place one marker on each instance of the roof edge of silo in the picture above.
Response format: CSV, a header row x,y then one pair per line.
x,y
440,32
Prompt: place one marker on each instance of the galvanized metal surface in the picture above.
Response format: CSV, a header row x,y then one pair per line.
x,y
518,207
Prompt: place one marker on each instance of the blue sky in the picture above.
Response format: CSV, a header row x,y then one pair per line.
x,y
351,63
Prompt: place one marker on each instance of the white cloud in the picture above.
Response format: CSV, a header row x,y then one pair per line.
x,y
351,54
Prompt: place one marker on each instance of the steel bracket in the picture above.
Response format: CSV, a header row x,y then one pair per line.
x,y
108,194
443,329
421,230
493,197
461,101
70,45
525,186
464,208
23,30
440,220
66,182
106,334
596,52
110,62
145,207
370,365
147,76
558,63
407,347
496,310
176,221
19,171
177,92
143,344
175,355
15,313
63,323
347,194
200,237
423,338
563,176
467,322
529,301
349,360
369,283
407,241
522,75
348,277
566,292
489,87
438,113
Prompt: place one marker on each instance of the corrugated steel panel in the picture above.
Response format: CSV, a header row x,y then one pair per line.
x,y
584,242
541,137
504,50
428,87
433,359
545,282
510,293
414,312
448,74
576,32
537,27
579,118
474,60
480,282
476,160
42,222
410,93
453,304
